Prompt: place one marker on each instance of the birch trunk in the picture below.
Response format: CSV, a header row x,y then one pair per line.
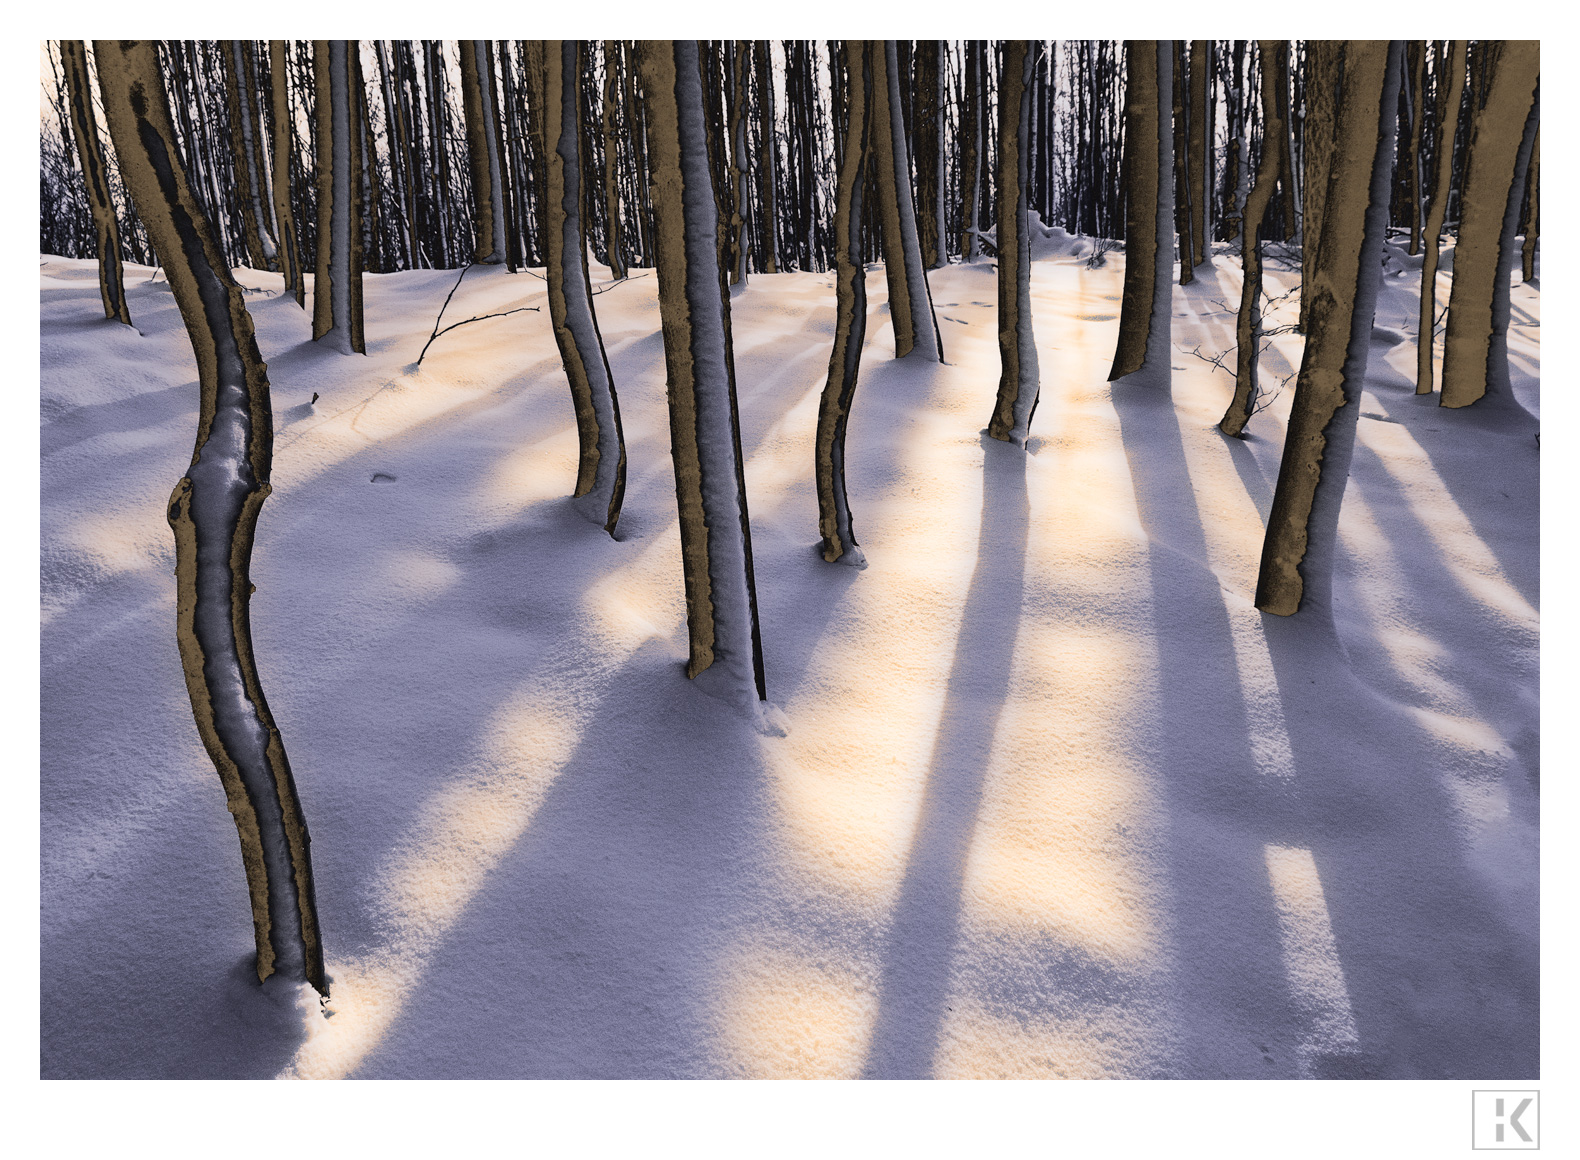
x,y
1302,528
213,512
282,155
1146,311
556,68
1018,377
850,283
337,286
1437,211
694,308
488,194
246,140
85,130
611,153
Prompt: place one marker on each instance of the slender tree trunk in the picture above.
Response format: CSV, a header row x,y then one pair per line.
x,y
85,130
1437,209
694,307
850,283
282,152
1248,325
337,286
1018,376
213,513
971,156
1502,135
910,302
1417,62
556,69
1238,184
1201,134
1324,59
1184,164
768,164
439,168
1532,210
488,195
1286,153
1146,311
1302,528
611,153
928,134
246,142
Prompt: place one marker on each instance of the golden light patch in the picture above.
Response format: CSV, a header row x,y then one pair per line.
x,y
783,1017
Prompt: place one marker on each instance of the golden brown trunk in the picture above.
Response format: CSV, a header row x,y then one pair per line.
x,y
285,220
85,130
1437,212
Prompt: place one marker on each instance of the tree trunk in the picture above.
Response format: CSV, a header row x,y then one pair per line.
x,y
213,513
1146,312
1248,325
1532,210
1502,134
85,130
768,164
1417,62
556,70
283,152
1201,135
850,284
928,134
910,302
694,308
1184,165
1302,528
1437,210
611,154
1324,59
337,286
1018,378
246,142
971,153
488,194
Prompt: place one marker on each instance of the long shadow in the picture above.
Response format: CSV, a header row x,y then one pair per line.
x,y
926,920
1230,993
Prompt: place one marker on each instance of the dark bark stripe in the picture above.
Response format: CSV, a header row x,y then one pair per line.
x,y
1453,85
477,105
1302,528
1248,324
222,492
850,283
1018,378
85,131
1201,139
1499,140
1532,210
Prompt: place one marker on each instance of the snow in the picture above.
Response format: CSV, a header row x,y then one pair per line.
x,y
1055,799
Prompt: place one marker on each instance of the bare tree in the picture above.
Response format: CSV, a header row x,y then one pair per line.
x,y
85,130
337,286
1146,311
1018,377
1452,87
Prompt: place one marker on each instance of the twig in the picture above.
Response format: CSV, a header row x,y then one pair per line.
x,y
617,282
479,318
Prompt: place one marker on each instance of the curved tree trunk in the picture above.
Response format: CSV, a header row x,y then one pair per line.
x,y
1302,528
1503,131
1146,312
704,424
555,68
482,151
337,286
285,220
1437,211
213,513
1533,183
85,130
910,301
850,284
1248,325
1018,377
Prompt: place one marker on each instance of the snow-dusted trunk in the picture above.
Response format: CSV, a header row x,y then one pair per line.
x,y
85,131
850,331
1240,146
1017,348
1146,312
694,307
971,161
611,154
1201,135
910,302
482,151
1502,133
1417,75
1248,324
1302,528
398,146
1533,182
282,158
246,143
337,285
768,166
213,513
555,68
1184,218
1324,68
1437,210
439,153
927,131
738,66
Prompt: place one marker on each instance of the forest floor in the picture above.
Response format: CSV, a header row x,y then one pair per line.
x,y
1055,799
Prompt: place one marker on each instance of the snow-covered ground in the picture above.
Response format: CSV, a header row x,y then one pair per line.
x,y
1055,799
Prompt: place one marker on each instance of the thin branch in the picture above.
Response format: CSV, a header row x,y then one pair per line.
x,y
618,282
464,321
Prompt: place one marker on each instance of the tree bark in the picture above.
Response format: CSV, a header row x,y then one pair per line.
x,y
910,301
1302,528
1146,311
1184,166
694,309
213,513
1248,324
285,219
1532,210
768,162
1201,135
488,195
556,69
1018,376
971,153
85,130
1437,209
1502,134
850,283
1417,62
246,142
337,286
928,135
611,154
